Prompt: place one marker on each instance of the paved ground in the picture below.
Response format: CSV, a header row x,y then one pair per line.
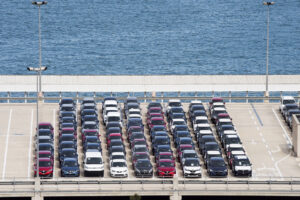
x,y
264,134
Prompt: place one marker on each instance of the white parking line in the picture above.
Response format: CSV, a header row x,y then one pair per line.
x,y
30,144
276,163
6,144
286,136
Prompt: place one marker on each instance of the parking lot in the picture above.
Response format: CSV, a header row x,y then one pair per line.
x,y
265,137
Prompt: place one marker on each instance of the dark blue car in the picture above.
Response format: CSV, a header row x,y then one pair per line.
x,y
216,167
67,153
70,168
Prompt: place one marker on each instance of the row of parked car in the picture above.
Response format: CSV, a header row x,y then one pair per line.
x,y
287,108
113,120
182,138
236,156
44,159
67,147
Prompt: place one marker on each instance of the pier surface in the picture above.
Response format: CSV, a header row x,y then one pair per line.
x,y
265,137
164,83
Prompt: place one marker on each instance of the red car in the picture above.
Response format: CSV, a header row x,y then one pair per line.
x,y
154,115
45,125
183,147
45,168
156,121
155,110
89,133
166,168
46,154
113,136
68,131
216,99
164,155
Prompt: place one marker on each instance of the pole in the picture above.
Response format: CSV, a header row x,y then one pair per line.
x,y
267,50
37,125
40,51
267,54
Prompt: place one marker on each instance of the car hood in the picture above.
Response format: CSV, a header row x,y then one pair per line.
x,y
70,168
189,168
119,168
45,168
218,168
166,169
144,168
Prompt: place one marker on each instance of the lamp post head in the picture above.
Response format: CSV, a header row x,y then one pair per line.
x,y
269,3
39,3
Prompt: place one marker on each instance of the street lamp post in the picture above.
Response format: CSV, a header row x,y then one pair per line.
x,y
38,71
39,3
267,53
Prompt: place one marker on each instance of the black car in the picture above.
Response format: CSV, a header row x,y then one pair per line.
x,y
225,128
116,149
66,144
93,118
211,146
173,116
154,104
136,135
68,120
180,128
67,101
113,125
180,134
162,148
67,114
92,139
45,132
143,168
67,137
215,112
158,128
183,140
160,140
241,166
92,146
230,139
134,122
67,153
216,167
46,147
67,125
88,112
202,140
158,133
198,113
194,108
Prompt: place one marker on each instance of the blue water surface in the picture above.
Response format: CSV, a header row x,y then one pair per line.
x,y
149,37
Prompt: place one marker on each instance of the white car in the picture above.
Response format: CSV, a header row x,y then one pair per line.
x,y
118,168
175,122
285,100
173,103
108,110
200,120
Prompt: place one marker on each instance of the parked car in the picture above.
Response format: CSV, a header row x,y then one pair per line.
x,y
118,168
241,166
143,168
166,168
191,167
70,167
216,167
45,168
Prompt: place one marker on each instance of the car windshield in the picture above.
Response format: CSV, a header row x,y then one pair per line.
x,y
70,163
166,164
69,153
67,145
190,155
143,164
93,146
233,140
181,128
201,121
113,119
177,110
67,101
45,133
186,141
116,143
164,149
155,111
64,125
90,126
90,118
179,123
67,108
90,134
169,157
45,164
142,142
93,160
162,141
291,106
44,126
159,128
45,141
93,139
114,137
174,104
217,162
67,132
67,137
138,136
45,147
288,101
141,149
67,114
242,162
236,149
158,122
192,163
114,157
228,128
43,155
211,147
141,156
119,164
203,128
219,111
133,106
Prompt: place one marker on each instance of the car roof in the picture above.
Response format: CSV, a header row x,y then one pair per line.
x,y
287,98
113,102
232,136
235,145
241,157
196,101
213,153
219,109
224,120
89,122
70,159
201,117
44,137
238,153
119,160
44,159
174,100
189,151
93,154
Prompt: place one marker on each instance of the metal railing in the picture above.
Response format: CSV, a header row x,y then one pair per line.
x,y
229,96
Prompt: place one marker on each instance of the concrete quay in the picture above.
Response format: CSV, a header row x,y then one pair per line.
x,y
147,83
266,138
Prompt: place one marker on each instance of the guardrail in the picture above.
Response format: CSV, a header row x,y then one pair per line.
x,y
163,186
229,96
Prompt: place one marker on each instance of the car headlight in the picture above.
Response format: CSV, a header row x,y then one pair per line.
x,y
137,170
151,170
